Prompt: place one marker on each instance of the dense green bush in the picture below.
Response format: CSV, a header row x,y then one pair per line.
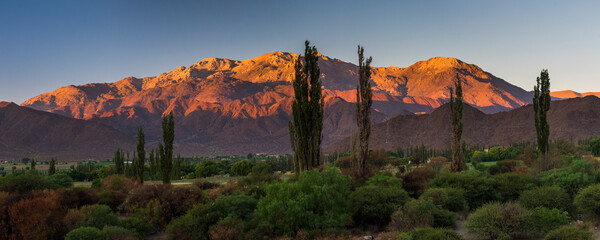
x,y
261,174
85,233
136,224
60,180
510,185
498,220
375,204
111,198
570,232
207,169
96,216
241,168
588,200
480,156
80,176
118,233
452,199
594,147
421,213
24,182
315,201
430,234
196,223
546,196
578,174
384,180
543,219
478,189
97,183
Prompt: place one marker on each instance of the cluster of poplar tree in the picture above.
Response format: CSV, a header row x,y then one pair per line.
x,y
161,163
307,114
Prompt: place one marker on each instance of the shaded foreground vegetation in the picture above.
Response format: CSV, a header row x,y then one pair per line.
x,y
513,196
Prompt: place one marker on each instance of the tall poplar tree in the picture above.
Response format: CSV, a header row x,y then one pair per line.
x,y
541,105
307,111
119,159
32,162
177,167
166,150
364,100
456,113
141,156
152,161
52,167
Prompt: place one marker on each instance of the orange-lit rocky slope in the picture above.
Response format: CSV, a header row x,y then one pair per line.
x,y
572,94
226,106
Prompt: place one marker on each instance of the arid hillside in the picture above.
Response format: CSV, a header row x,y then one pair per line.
x,y
25,132
571,119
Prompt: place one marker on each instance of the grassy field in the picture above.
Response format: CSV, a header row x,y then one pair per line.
x,y
217,179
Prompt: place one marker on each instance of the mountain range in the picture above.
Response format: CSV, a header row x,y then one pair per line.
x,y
224,106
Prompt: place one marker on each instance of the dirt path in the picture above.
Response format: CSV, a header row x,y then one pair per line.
x,y
460,229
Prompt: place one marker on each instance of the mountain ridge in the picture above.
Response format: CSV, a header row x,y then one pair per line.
x,y
225,106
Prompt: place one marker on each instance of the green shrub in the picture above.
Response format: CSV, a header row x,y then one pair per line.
x,y
477,188
118,233
111,198
577,175
479,156
543,219
546,196
207,169
588,200
195,224
241,168
97,216
315,201
510,185
443,218
162,202
385,180
24,182
61,180
430,234
452,199
375,204
421,213
136,224
570,232
498,220
594,147
97,183
85,233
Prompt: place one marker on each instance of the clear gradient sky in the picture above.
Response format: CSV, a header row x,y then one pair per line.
x,y
45,45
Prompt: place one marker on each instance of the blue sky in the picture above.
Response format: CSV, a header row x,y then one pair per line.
x,y
48,44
